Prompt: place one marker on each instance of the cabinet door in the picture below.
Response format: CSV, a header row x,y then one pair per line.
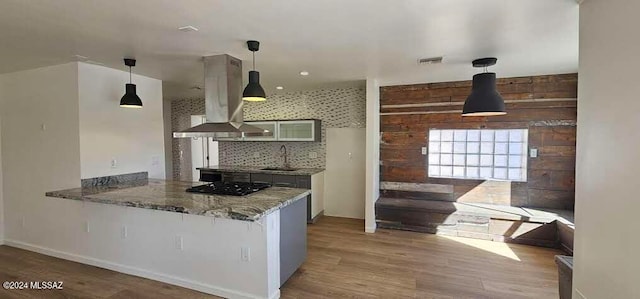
x,y
210,176
304,181
236,177
297,130
284,181
262,178
271,126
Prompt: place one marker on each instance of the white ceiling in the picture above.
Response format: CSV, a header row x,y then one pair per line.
x,y
337,41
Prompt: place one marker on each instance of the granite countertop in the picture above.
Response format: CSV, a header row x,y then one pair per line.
x,y
258,169
171,196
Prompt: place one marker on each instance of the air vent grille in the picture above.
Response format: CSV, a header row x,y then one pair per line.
x,y
431,60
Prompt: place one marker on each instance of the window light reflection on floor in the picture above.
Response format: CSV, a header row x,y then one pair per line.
x,y
501,249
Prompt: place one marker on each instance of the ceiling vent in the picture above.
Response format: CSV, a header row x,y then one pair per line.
x,y
431,60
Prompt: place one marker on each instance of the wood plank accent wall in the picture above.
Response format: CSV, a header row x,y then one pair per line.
x,y
546,105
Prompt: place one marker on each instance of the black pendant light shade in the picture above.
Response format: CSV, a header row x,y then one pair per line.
x,y
254,92
484,100
130,99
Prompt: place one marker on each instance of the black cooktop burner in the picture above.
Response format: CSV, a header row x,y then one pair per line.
x,y
229,188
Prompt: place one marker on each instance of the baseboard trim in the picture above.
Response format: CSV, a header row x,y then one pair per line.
x,y
316,217
190,284
370,229
275,295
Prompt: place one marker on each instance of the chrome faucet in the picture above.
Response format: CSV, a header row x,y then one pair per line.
x,y
284,155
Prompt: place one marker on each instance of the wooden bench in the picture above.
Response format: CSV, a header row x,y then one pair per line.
x,y
531,226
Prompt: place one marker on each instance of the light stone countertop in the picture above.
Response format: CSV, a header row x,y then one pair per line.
x,y
171,196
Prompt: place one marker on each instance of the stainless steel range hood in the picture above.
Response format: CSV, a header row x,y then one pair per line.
x,y
223,102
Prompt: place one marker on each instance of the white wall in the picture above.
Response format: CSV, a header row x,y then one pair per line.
x,y
41,149
373,154
607,203
1,199
134,137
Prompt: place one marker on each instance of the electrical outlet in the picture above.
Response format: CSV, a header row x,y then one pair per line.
x,y
313,155
533,153
114,163
245,254
87,228
179,243
256,155
124,233
424,151
224,154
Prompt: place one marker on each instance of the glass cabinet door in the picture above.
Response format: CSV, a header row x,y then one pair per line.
x,y
296,130
265,125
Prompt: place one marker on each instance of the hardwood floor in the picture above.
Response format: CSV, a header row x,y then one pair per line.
x,y
342,262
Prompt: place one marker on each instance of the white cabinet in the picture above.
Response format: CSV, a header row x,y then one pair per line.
x,y
271,126
299,130
285,130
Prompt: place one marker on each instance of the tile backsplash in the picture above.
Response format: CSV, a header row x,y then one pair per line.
x,y
337,108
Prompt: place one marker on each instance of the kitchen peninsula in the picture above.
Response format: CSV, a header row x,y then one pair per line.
x,y
305,178
231,246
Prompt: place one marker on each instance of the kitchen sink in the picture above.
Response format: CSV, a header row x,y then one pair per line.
x,y
279,169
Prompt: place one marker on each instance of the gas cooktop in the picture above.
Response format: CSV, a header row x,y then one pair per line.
x,y
229,188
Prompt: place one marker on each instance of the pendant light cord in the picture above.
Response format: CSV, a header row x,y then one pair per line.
x,y
129,74
254,59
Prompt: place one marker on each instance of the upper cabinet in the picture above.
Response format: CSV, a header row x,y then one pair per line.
x,y
271,126
285,130
299,130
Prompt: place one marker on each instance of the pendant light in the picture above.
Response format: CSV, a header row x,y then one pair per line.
x,y
484,100
130,99
254,92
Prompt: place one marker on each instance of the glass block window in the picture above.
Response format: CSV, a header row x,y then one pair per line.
x,y
478,154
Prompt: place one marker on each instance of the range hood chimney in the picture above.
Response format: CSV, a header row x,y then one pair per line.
x,y
223,102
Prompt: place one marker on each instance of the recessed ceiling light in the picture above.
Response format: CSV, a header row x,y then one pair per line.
x,y
304,73
188,28
279,87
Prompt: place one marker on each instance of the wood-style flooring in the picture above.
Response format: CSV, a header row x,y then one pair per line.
x,y
342,262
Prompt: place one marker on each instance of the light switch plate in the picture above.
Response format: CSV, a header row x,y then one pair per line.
x,y
245,254
179,243
256,154
313,155
533,153
424,150
114,163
